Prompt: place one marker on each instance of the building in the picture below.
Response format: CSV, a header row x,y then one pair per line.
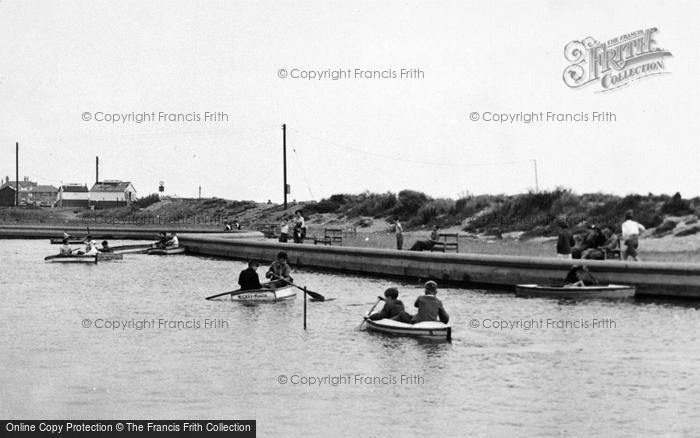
x,y
73,195
30,193
112,193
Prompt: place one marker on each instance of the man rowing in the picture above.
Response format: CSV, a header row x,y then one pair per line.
x,y
65,248
248,279
105,247
279,269
162,240
430,308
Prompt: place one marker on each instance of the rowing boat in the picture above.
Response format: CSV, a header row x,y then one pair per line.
x,y
575,292
109,256
131,249
426,330
269,292
72,258
71,240
166,251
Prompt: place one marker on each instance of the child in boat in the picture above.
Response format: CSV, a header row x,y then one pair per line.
x,y
65,248
429,306
393,308
248,279
279,268
173,242
579,276
90,247
105,247
162,240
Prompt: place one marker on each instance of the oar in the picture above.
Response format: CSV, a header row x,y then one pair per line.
x,y
314,295
379,299
222,294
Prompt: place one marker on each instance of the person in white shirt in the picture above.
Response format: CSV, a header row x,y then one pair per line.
x,y
398,229
90,247
284,230
630,236
173,242
299,227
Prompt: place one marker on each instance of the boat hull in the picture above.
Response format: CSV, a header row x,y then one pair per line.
x,y
109,256
130,249
426,330
610,291
281,294
71,259
72,240
166,251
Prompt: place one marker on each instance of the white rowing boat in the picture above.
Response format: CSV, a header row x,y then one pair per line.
x,y
610,291
426,330
269,292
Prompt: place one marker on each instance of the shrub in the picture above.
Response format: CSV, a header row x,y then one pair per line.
x,y
676,206
146,201
409,202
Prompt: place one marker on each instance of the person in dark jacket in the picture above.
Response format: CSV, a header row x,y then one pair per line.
x,y
579,276
248,278
565,241
393,308
429,306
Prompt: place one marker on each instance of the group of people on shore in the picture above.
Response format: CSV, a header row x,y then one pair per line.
x,y
597,243
296,224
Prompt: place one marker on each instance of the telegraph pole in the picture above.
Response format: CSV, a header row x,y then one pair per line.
x,y
537,185
284,161
16,174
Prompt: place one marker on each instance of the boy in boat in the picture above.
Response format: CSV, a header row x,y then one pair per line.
x,y
162,240
90,247
579,276
248,278
173,242
393,308
429,306
65,248
105,247
280,269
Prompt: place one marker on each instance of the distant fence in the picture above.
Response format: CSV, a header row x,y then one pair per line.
x,y
158,220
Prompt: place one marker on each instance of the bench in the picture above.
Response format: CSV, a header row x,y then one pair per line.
x,y
330,236
446,242
268,230
614,253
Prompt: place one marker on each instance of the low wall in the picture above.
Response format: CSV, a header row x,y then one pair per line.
x,y
109,232
651,278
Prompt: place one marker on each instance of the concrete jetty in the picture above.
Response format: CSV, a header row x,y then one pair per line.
x,y
651,278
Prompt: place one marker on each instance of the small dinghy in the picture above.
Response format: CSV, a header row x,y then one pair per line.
x,y
72,258
434,330
71,240
166,251
131,249
104,256
269,292
610,291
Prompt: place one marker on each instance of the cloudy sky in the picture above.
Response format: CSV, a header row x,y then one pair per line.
x,y
61,60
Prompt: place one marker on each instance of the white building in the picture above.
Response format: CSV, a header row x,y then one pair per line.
x,y
73,195
112,193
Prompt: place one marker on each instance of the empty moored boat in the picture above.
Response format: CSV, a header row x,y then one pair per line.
x,y
72,258
166,251
71,240
610,291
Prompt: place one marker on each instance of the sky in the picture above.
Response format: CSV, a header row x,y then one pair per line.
x,y
64,62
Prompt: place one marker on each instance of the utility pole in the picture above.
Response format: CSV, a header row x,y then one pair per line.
x,y
97,170
537,184
284,161
200,191
16,174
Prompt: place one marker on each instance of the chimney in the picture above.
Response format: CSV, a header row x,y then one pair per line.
x,y
97,170
26,178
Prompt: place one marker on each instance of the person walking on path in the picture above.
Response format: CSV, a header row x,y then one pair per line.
x,y
630,236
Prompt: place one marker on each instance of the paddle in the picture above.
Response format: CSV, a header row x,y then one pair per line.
x,y
379,299
222,294
315,296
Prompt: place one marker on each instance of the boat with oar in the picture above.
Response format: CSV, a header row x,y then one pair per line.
x,y
272,291
433,330
131,249
72,258
71,240
576,292
166,251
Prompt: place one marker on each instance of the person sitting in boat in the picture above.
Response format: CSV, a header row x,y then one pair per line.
x,y
90,247
105,247
65,248
248,278
227,227
173,242
162,240
393,308
280,268
579,276
430,308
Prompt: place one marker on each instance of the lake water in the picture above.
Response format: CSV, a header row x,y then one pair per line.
x,y
637,372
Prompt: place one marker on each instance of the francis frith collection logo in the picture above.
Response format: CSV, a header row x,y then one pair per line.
x,y
616,62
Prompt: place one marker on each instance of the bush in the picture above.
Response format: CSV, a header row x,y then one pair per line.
x,y
431,210
676,206
409,202
146,201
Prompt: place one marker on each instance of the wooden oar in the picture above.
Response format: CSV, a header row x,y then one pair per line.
x,y
222,294
315,296
379,299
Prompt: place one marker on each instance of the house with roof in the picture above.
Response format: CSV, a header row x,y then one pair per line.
x,y
30,193
73,195
112,193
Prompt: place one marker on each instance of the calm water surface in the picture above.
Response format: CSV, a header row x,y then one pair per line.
x,y
638,376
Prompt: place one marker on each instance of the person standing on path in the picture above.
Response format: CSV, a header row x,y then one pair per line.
x,y
398,229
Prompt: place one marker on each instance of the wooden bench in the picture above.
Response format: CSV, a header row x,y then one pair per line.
x,y
446,242
268,230
330,236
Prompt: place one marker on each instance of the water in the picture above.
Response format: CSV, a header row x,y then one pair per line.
x,y
640,377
